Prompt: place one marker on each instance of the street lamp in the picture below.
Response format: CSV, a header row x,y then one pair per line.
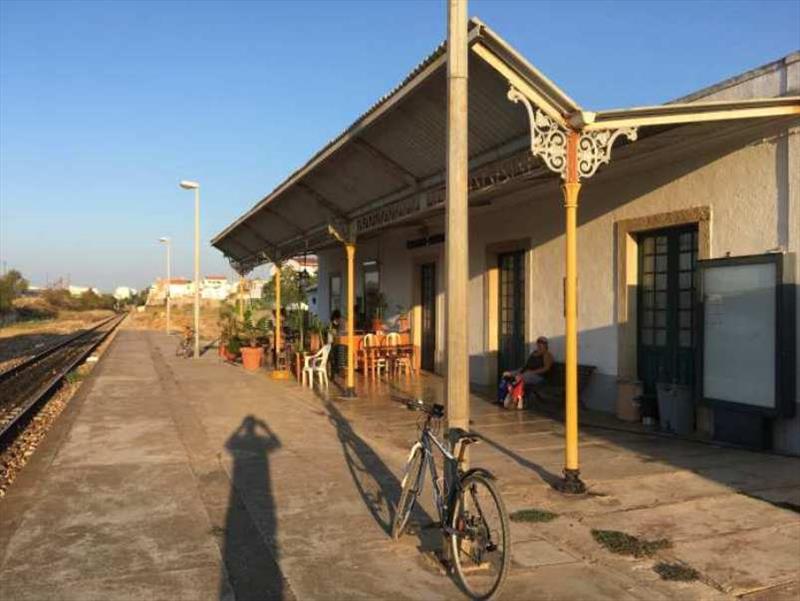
x,y
166,241
190,185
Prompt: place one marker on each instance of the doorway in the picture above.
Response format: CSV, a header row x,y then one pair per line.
x,y
511,311
428,303
667,285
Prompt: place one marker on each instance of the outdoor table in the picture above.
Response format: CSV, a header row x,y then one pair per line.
x,y
389,351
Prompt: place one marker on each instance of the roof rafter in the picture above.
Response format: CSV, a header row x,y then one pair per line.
x,y
393,165
321,200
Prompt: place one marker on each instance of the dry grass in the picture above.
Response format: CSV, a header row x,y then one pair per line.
x,y
625,544
533,515
24,339
676,572
155,318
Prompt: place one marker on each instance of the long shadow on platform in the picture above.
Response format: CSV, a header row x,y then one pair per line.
x,y
377,485
250,551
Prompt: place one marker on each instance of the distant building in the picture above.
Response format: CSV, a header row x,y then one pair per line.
x,y
309,263
81,290
311,299
212,287
215,287
124,293
252,288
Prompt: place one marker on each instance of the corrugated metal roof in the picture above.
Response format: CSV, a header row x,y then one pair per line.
x,y
410,133
396,149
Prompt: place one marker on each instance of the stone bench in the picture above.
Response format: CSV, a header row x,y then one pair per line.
x,y
553,388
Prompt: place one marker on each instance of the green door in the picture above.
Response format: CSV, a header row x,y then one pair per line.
x,y
666,301
511,329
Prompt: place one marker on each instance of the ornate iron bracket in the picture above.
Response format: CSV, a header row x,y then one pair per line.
x,y
344,232
549,140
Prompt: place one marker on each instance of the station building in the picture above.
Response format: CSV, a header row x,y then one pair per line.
x,y
711,175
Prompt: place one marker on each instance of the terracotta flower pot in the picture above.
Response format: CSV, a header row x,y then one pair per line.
x,y
222,351
315,342
252,357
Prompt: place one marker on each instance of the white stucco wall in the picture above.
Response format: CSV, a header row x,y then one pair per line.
x,y
752,190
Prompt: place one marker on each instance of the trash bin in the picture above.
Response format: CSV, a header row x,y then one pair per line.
x,y
628,404
675,408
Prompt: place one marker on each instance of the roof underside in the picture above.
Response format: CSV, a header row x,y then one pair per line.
x,y
391,162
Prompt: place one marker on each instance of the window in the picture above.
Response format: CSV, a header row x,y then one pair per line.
x,y
335,293
373,300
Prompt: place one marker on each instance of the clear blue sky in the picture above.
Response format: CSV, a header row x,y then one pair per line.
x,y
104,106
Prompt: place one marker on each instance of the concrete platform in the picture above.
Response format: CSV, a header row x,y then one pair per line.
x,y
174,479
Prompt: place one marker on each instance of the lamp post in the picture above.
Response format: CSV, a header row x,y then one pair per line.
x,y
190,185
166,241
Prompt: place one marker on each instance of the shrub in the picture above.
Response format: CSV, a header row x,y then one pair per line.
x,y
12,285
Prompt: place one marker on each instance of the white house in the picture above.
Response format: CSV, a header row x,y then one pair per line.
x,y
124,292
712,175
80,290
215,287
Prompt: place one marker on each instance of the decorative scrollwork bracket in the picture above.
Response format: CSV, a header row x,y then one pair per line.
x,y
549,140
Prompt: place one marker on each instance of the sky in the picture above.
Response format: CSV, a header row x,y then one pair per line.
x,y
106,105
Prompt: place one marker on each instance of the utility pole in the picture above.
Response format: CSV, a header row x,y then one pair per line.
x,y
457,228
190,185
168,243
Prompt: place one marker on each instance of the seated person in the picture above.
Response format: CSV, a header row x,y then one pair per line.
x,y
531,374
332,338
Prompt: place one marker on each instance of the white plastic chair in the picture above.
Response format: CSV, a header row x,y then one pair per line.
x,y
317,364
377,362
400,359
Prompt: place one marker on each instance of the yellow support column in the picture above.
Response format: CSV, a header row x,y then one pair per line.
x,y
350,390
278,373
572,482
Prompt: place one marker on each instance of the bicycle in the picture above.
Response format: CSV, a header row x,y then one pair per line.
x,y
185,346
472,515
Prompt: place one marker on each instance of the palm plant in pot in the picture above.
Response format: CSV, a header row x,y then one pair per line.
x,y
228,332
251,331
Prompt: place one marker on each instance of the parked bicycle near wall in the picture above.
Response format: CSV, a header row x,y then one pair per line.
x,y
185,346
472,515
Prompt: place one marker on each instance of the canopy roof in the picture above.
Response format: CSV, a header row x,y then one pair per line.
x,y
389,165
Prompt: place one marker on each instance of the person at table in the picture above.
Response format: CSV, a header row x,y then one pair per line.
x,y
530,375
332,336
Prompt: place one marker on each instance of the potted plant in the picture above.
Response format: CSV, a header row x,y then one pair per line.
x,y
252,352
233,349
228,329
402,319
315,333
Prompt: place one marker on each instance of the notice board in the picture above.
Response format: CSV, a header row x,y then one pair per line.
x,y
739,333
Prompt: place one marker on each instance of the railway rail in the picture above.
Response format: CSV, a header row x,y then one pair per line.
x,y
25,384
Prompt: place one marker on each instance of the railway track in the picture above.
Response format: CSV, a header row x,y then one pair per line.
x,y
25,384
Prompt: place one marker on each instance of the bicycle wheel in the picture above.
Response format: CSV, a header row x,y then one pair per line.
x,y
412,483
480,547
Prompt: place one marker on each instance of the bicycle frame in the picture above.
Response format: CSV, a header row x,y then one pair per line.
x,y
442,495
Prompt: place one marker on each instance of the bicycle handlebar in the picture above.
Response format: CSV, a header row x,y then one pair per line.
x,y
435,410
